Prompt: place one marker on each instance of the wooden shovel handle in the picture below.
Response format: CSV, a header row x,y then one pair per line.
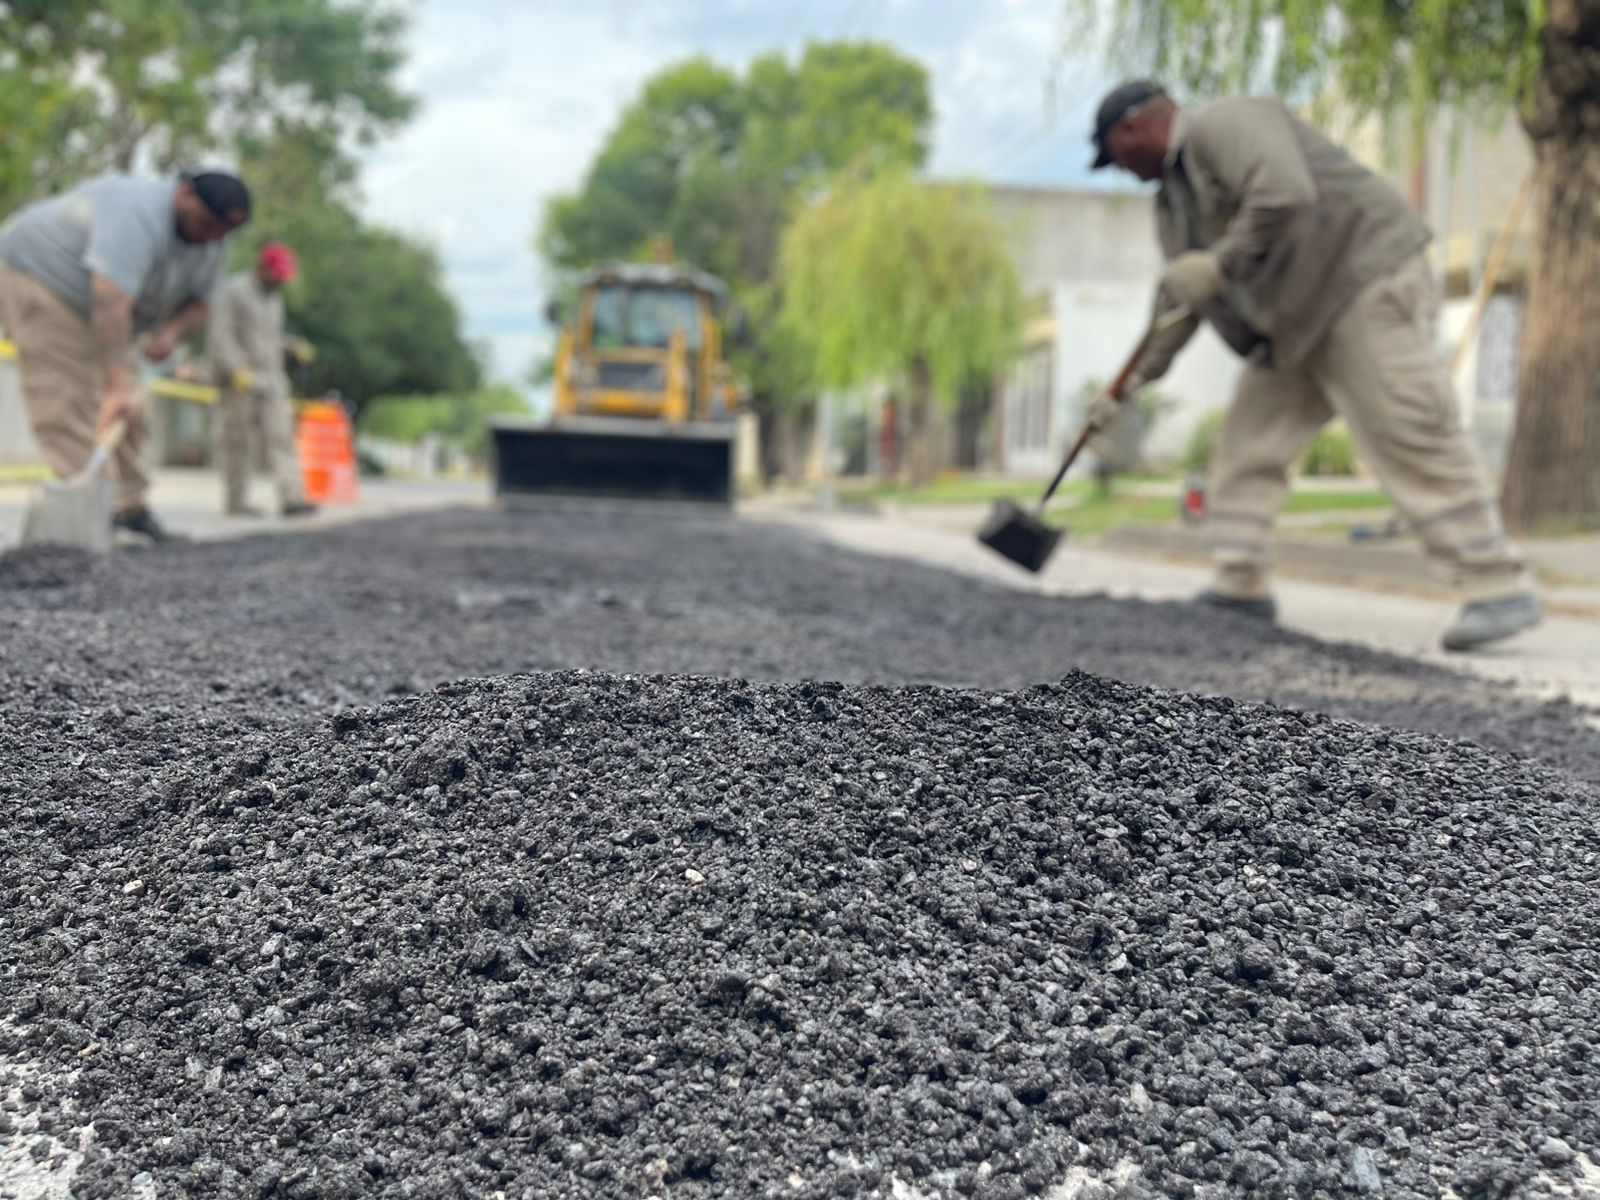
x,y
1159,326
104,446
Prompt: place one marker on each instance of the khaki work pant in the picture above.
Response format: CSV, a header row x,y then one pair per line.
x,y
1377,368
264,411
63,384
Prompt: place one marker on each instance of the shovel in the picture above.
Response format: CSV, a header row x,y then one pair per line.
x,y
76,511
1020,534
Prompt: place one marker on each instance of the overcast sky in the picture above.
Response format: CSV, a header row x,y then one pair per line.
x,y
517,95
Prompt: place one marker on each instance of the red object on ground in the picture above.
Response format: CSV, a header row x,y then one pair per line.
x,y
325,440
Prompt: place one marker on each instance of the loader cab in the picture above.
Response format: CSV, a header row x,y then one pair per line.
x,y
646,342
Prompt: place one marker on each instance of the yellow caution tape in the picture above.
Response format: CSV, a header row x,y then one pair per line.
x,y
181,389
176,389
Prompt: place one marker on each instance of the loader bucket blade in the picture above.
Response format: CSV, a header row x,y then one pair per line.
x,y
615,459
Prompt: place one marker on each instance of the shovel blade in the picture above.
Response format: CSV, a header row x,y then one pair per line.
x,y
76,513
1019,535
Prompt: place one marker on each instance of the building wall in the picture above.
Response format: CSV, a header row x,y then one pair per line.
x,y
1467,174
1094,258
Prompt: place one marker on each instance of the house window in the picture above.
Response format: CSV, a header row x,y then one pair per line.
x,y
1030,403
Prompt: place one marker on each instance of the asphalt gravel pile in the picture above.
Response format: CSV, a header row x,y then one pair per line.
x,y
272,629
279,933
43,566
582,934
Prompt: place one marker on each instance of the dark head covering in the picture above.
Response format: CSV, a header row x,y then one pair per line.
x,y
224,194
1119,102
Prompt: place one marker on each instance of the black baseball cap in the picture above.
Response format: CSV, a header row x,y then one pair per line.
x,y
225,195
1119,102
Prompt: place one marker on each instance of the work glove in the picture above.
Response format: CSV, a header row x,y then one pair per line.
x,y
1105,410
1193,279
241,379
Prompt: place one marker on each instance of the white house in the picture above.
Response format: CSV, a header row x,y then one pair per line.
x,y
1088,261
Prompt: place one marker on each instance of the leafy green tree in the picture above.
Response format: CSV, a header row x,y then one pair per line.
x,y
173,79
43,111
889,277
372,302
719,164
1540,58
461,420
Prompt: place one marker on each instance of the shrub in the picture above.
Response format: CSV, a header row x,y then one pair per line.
x,y
1333,452
1203,441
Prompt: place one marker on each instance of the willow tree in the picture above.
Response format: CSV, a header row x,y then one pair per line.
x,y
890,278
1539,58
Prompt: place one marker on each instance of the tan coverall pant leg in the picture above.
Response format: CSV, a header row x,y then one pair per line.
x,y
235,416
1380,371
63,385
1274,416
276,422
262,410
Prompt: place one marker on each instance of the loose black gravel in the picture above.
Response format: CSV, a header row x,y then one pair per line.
x,y
269,628
44,566
596,934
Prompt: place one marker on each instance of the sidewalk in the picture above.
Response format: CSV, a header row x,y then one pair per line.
x,y
1568,569
190,502
1559,658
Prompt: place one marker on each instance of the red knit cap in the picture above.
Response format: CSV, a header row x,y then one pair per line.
x,y
277,260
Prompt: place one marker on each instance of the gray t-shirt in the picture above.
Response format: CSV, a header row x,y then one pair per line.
x,y
120,228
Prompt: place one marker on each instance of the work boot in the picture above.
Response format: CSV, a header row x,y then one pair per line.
x,y
1483,621
298,508
1263,608
243,510
143,522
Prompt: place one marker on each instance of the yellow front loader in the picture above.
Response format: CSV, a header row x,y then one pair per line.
x,y
644,403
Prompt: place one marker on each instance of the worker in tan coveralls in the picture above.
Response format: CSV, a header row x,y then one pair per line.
x,y
1313,270
82,276
246,347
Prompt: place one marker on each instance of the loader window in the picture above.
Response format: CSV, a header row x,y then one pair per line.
x,y
610,318
644,316
655,314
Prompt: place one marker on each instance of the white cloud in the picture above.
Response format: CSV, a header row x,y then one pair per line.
x,y
518,95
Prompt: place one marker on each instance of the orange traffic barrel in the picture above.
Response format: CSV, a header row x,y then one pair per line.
x,y
325,440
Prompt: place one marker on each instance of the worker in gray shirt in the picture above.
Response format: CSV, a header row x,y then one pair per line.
x,y
246,347
1314,271
85,273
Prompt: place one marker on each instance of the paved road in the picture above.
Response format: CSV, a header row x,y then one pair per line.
x,y
1561,658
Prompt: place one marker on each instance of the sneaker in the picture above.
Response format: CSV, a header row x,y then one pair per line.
x,y
143,522
1483,621
244,510
298,508
1263,608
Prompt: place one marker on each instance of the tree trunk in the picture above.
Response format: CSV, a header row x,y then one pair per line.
x,y
920,420
787,445
971,419
1553,473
